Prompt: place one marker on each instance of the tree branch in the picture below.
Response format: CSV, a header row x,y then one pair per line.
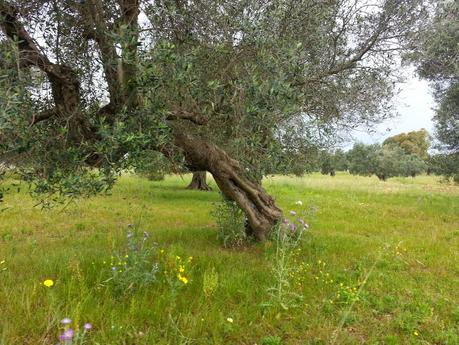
x,y
185,115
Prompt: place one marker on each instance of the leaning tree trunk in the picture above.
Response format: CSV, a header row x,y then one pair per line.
x,y
260,208
198,182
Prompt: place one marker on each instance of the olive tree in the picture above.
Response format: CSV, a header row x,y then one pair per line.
x,y
237,88
437,59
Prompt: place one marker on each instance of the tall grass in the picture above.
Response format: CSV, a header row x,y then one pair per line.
x,y
379,267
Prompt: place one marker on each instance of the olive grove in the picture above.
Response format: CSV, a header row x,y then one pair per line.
x,y
239,88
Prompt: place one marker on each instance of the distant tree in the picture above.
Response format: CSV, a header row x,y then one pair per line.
x,y
412,165
446,164
362,159
389,162
415,142
199,181
327,166
341,162
331,162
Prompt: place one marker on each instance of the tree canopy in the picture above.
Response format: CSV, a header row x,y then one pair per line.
x,y
437,59
414,142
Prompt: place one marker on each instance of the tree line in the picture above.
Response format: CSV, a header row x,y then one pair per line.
x,y
405,154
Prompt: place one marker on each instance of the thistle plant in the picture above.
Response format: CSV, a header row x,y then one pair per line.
x,y
287,237
69,336
136,266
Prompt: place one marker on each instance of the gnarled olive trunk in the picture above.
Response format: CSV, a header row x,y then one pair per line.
x,y
199,181
260,209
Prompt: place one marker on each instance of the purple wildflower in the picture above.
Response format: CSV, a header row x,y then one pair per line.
x,y
67,335
292,227
293,213
87,326
285,221
66,321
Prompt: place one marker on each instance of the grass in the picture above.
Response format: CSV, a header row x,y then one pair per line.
x,y
380,266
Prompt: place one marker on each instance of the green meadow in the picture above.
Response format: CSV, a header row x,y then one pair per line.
x,y
379,264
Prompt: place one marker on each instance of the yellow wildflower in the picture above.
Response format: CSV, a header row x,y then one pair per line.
x,y
230,320
416,333
183,279
48,283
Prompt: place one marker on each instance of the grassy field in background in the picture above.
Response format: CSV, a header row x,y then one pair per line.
x,y
380,265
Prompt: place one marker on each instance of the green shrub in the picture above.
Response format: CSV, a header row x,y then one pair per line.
x,y
230,224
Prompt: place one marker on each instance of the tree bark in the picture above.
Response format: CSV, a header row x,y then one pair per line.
x,y
198,182
261,211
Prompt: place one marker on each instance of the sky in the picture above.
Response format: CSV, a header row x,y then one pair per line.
x,y
415,107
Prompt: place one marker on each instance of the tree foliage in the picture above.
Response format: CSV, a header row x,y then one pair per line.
x,y
415,142
332,161
437,59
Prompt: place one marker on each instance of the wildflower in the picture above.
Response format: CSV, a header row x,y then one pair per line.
x,y
146,234
48,283
293,213
114,268
130,234
67,335
302,222
126,256
66,321
181,269
87,326
230,320
2,262
183,279
416,333
299,202
292,227
161,251
285,221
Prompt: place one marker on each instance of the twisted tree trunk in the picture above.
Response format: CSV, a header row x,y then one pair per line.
x,y
198,182
260,208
